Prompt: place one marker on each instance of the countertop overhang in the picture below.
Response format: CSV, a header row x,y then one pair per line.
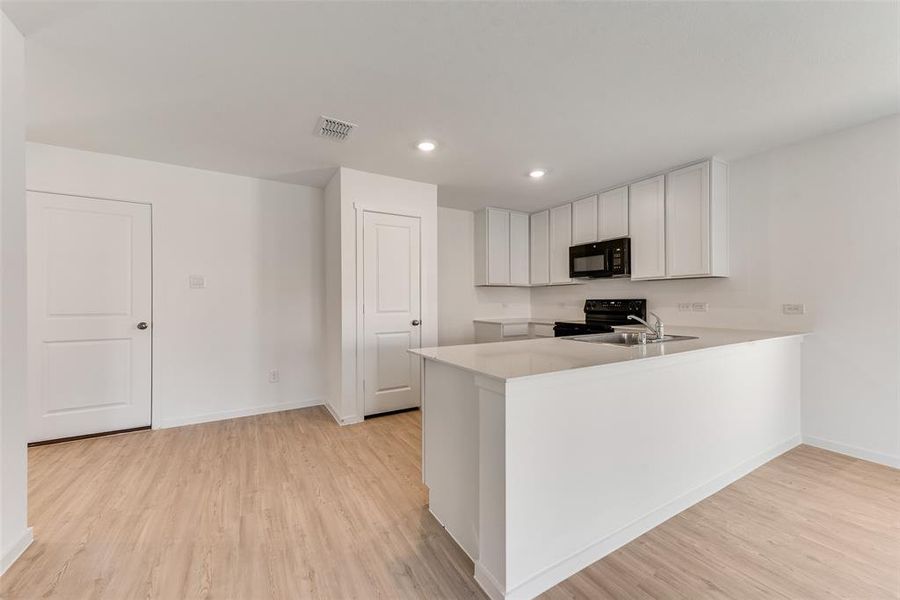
x,y
528,358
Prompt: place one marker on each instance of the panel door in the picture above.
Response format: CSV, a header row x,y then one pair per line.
x,y
540,248
518,248
584,220
391,311
89,294
498,246
612,214
647,222
560,240
687,221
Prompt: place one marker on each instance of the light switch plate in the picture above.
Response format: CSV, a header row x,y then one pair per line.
x,y
793,309
197,282
700,306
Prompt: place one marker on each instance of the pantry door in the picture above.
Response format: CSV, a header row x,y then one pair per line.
x,y
89,300
391,311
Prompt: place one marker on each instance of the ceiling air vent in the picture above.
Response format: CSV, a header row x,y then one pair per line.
x,y
334,129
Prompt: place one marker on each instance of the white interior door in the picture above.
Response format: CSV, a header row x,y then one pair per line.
x,y
89,301
391,317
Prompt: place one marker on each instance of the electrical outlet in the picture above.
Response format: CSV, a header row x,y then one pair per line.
x,y
274,376
197,282
700,306
684,307
793,309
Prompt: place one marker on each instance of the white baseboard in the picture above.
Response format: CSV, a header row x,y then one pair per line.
x,y
342,420
236,413
16,550
564,569
487,582
882,458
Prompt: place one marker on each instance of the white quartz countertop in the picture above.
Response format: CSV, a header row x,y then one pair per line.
x,y
526,358
520,320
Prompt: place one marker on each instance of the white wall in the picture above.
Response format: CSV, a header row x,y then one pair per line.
x,y
14,533
458,300
360,190
816,223
260,246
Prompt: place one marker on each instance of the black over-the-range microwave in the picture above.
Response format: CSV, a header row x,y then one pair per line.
x,y
609,258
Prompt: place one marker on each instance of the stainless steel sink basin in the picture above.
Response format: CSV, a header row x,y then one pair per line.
x,y
628,338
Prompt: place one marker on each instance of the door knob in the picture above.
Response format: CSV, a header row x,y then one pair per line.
x,y
415,322
142,325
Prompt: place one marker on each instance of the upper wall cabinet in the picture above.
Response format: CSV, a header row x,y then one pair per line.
x,y
612,214
679,223
647,221
518,248
697,221
501,247
540,248
584,220
560,240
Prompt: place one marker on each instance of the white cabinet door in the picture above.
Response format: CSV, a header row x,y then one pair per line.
x,y
687,221
560,240
584,220
612,214
647,222
540,248
498,246
518,248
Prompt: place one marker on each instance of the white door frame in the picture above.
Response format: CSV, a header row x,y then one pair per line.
x,y
361,209
28,391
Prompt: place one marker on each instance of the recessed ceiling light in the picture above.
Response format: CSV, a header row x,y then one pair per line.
x,y
537,173
426,145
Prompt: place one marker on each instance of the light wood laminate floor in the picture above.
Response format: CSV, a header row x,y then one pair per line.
x,y
289,505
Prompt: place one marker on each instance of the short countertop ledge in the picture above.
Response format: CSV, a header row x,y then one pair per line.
x,y
532,357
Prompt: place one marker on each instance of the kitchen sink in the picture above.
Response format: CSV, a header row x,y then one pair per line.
x,y
628,338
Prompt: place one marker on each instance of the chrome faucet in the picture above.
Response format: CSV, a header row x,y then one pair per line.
x,y
659,330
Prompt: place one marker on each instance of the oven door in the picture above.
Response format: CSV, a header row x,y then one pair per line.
x,y
590,260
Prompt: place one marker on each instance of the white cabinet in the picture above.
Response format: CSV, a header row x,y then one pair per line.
x,y
501,247
647,223
612,214
584,220
540,248
486,331
677,222
518,248
560,240
696,221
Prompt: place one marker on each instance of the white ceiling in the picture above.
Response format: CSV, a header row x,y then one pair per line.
x,y
598,93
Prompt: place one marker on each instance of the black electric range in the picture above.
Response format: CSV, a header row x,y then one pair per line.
x,y
601,315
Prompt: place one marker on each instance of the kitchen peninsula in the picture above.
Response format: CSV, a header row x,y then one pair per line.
x,y
543,455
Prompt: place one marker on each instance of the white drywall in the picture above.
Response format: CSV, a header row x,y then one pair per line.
x,y
259,244
15,535
458,300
